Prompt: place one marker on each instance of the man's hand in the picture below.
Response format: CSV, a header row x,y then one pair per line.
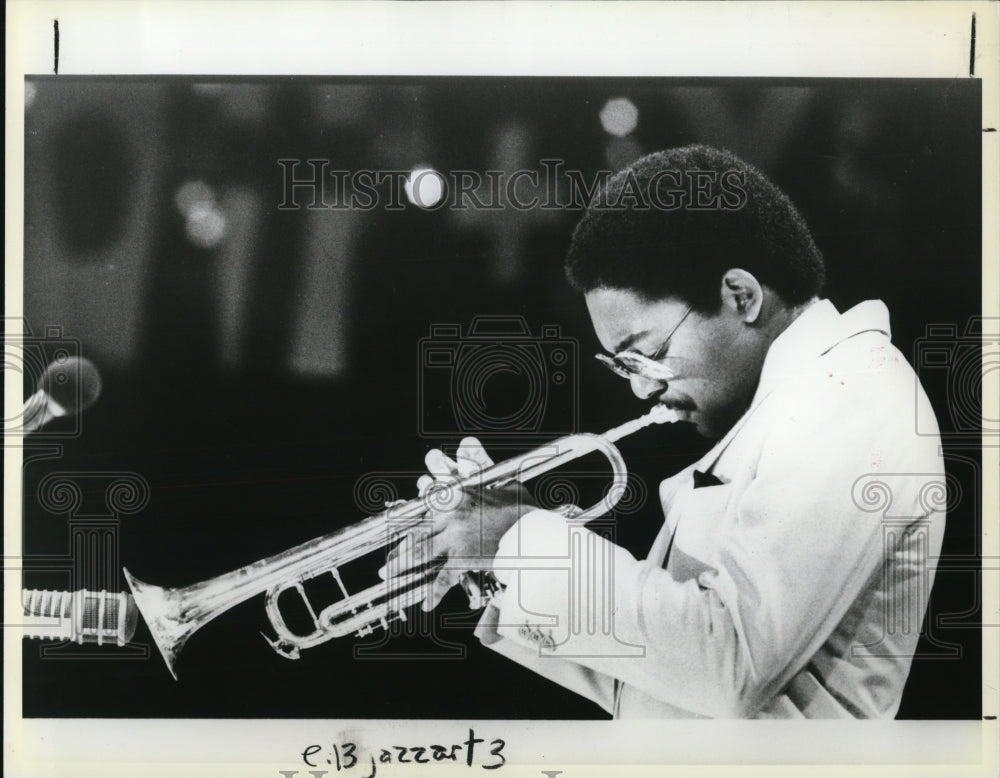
x,y
464,526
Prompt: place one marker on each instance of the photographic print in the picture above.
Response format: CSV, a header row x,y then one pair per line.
x,y
501,401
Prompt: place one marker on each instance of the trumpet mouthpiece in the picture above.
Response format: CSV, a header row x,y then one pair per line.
x,y
661,414
658,414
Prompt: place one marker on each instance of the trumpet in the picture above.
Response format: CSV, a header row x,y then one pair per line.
x,y
173,615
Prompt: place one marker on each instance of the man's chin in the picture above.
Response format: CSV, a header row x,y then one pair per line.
x,y
705,426
702,425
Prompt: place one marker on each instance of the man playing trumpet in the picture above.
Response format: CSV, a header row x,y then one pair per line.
x,y
776,585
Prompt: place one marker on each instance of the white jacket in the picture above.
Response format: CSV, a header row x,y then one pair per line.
x,y
794,588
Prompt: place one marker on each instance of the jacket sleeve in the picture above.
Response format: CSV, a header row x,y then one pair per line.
x,y
595,686
792,556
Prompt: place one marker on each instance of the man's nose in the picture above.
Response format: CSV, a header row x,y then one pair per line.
x,y
644,388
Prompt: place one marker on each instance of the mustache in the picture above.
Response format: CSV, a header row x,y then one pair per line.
x,y
679,405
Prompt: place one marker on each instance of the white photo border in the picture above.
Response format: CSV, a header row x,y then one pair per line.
x,y
779,39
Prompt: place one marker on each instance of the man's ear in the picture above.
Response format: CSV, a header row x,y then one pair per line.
x,y
742,294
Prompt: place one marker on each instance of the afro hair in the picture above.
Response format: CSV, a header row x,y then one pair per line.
x,y
673,222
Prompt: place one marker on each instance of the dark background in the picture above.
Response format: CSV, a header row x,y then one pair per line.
x,y
261,365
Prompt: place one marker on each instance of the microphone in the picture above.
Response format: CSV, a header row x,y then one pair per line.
x,y
83,616
68,387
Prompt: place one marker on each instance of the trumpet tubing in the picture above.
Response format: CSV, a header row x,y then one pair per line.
x,y
173,615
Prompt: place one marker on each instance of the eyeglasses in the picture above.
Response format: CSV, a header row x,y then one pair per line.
x,y
630,363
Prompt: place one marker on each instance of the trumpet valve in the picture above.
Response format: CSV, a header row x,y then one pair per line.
x,y
472,591
480,588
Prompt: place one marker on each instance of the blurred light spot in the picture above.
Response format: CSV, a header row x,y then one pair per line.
x,y
425,187
191,194
204,220
29,95
206,225
619,116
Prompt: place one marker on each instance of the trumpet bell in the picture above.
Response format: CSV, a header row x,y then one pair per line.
x,y
163,617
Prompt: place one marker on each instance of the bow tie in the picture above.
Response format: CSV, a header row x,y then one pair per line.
x,y
705,479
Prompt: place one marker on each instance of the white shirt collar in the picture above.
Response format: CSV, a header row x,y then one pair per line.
x,y
814,332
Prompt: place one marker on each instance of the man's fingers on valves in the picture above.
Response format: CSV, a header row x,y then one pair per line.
x,y
437,485
424,483
439,465
471,457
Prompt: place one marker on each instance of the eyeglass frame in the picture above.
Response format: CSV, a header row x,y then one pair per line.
x,y
648,368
